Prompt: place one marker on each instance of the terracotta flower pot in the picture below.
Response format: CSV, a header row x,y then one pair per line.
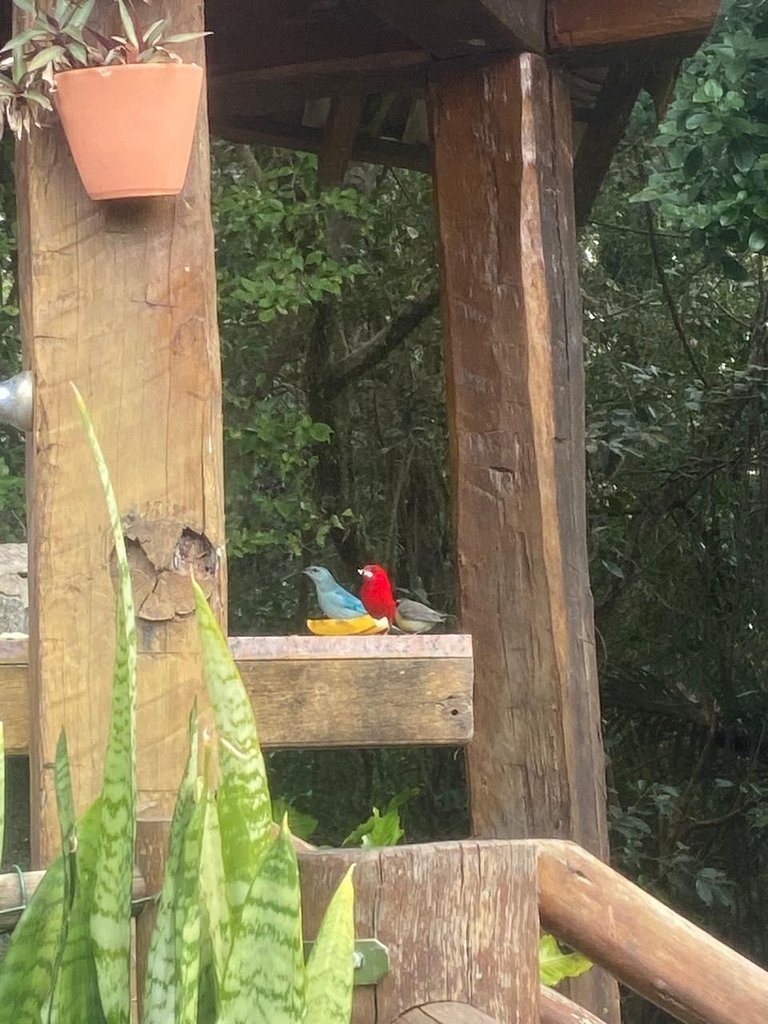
x,y
130,126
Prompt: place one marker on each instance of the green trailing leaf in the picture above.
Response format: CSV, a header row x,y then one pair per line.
x,y
161,996
245,811
331,966
110,915
264,979
555,965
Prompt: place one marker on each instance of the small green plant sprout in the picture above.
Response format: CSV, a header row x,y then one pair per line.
x,y
62,39
555,965
227,947
382,829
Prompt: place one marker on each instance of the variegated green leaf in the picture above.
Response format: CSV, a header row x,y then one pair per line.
x,y
76,992
161,997
67,823
213,890
187,919
264,979
110,914
245,811
331,964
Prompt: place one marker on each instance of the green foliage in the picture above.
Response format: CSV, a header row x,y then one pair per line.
x,y
227,944
382,829
555,965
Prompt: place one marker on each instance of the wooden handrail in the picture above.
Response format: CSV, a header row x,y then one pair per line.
x,y
647,946
17,889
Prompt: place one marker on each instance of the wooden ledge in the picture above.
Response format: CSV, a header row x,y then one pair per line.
x,y
306,691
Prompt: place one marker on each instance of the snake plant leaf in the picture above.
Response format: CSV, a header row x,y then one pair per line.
x,y
213,890
35,947
187,919
68,825
331,964
111,910
161,996
75,995
264,979
245,810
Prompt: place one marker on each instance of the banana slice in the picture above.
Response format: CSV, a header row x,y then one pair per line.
x,y
363,625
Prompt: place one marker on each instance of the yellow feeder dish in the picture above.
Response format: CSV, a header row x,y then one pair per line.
x,y
363,625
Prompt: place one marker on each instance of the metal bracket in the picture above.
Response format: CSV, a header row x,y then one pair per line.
x,y
371,960
16,400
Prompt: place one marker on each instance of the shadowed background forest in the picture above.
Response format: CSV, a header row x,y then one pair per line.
x,y
336,453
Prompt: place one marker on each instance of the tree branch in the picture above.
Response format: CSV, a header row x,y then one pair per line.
x,y
375,350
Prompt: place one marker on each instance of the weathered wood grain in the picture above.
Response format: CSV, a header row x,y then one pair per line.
x,y
599,26
452,28
339,137
558,1009
515,394
445,1013
119,298
317,691
647,946
459,919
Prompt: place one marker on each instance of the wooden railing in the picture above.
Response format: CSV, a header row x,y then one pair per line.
x,y
461,922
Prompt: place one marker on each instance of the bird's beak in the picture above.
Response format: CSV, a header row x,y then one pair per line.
x,y
365,572
305,572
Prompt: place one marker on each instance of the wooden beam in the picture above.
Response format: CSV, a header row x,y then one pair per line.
x,y
339,136
16,890
512,323
316,691
588,28
647,946
452,28
605,129
265,131
460,922
445,1013
119,298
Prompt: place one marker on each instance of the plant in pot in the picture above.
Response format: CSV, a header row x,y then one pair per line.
x,y
127,103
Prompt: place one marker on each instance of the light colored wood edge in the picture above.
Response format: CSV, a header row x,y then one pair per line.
x,y
15,894
662,956
311,648
576,24
555,1008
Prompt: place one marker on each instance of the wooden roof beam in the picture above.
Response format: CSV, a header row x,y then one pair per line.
x,y
454,28
583,29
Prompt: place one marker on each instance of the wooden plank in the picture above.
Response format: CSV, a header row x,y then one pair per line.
x,y
452,28
594,27
558,1009
512,325
317,691
605,129
266,131
648,947
120,298
339,137
459,919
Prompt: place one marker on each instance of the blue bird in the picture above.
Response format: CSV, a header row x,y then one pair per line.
x,y
335,601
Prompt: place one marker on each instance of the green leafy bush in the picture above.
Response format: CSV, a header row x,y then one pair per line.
x,y
227,945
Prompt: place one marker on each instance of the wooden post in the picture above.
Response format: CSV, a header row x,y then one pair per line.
x,y
119,298
512,322
460,922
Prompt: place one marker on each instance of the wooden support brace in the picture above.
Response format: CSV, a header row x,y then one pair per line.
x,y
339,139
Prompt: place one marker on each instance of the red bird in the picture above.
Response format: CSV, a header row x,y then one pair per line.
x,y
376,592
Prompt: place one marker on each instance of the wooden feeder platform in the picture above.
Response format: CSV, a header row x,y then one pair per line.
x,y
368,691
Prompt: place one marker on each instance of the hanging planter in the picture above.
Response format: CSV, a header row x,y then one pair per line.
x,y
130,126
127,103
